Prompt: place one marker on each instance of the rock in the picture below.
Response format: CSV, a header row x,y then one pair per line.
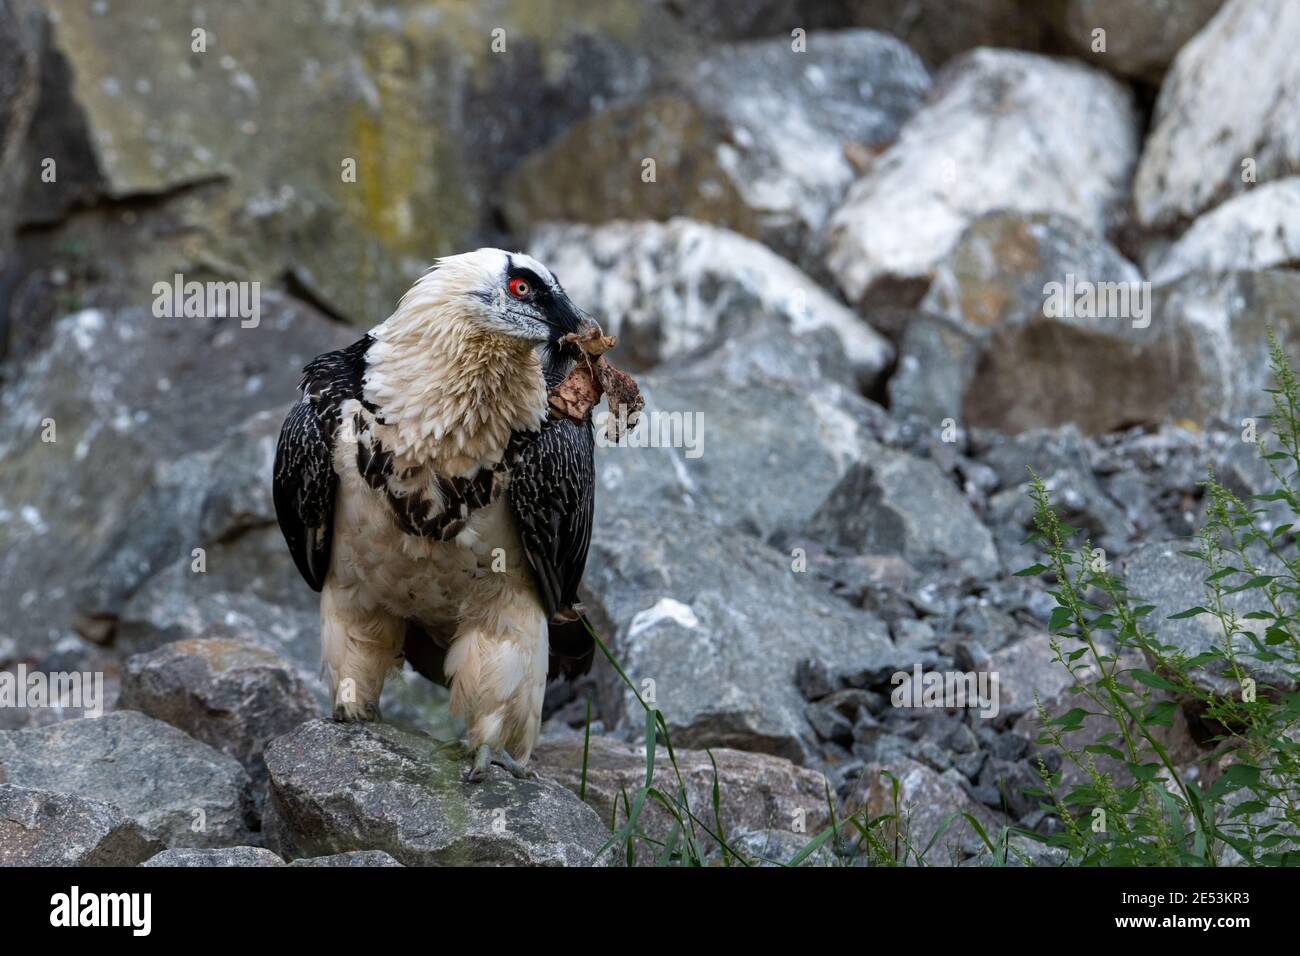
x,y
999,272
1141,37
1224,104
936,362
759,791
177,790
700,447
40,828
666,289
344,787
1016,284
153,454
940,29
767,848
230,694
751,137
1002,130
1194,351
424,168
226,856
1160,574
691,606
354,858
893,503
20,49
815,678
926,799
1252,231
1027,669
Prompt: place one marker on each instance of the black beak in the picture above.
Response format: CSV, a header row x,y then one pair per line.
x,y
566,318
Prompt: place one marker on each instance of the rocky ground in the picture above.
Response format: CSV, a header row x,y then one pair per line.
x,y
839,265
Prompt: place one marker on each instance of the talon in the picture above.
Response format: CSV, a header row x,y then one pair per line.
x,y
348,713
485,757
513,767
482,758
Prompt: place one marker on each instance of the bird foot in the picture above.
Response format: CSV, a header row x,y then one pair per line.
x,y
356,713
485,756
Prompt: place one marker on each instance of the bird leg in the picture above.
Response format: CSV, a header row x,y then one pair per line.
x,y
351,713
485,756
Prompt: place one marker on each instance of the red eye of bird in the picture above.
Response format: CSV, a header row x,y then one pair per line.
x,y
520,288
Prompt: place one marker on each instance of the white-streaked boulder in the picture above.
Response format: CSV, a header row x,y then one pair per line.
x,y
1002,130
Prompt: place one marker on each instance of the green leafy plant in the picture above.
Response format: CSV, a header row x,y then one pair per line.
x,y
1130,803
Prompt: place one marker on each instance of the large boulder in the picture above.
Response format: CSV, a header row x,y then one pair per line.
x,y
667,289
122,451
1224,118
713,624
1160,573
1141,37
751,137
177,790
1046,325
732,454
344,787
1002,130
397,121
759,791
44,828
1259,229
895,503
230,694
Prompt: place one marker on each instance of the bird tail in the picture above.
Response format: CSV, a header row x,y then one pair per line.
x,y
572,649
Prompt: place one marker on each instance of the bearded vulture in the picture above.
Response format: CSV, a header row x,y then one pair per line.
x,y
442,515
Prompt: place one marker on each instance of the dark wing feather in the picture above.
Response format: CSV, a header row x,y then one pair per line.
x,y
552,498
304,483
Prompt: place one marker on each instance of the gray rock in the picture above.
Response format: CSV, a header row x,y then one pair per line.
x,y
174,788
996,274
1002,130
936,362
20,50
705,449
137,468
666,289
1202,358
344,787
775,847
41,828
815,678
926,798
226,856
1259,229
426,166
230,694
892,502
1160,574
693,607
759,791
751,137
354,858
1225,101
1142,37
1027,669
